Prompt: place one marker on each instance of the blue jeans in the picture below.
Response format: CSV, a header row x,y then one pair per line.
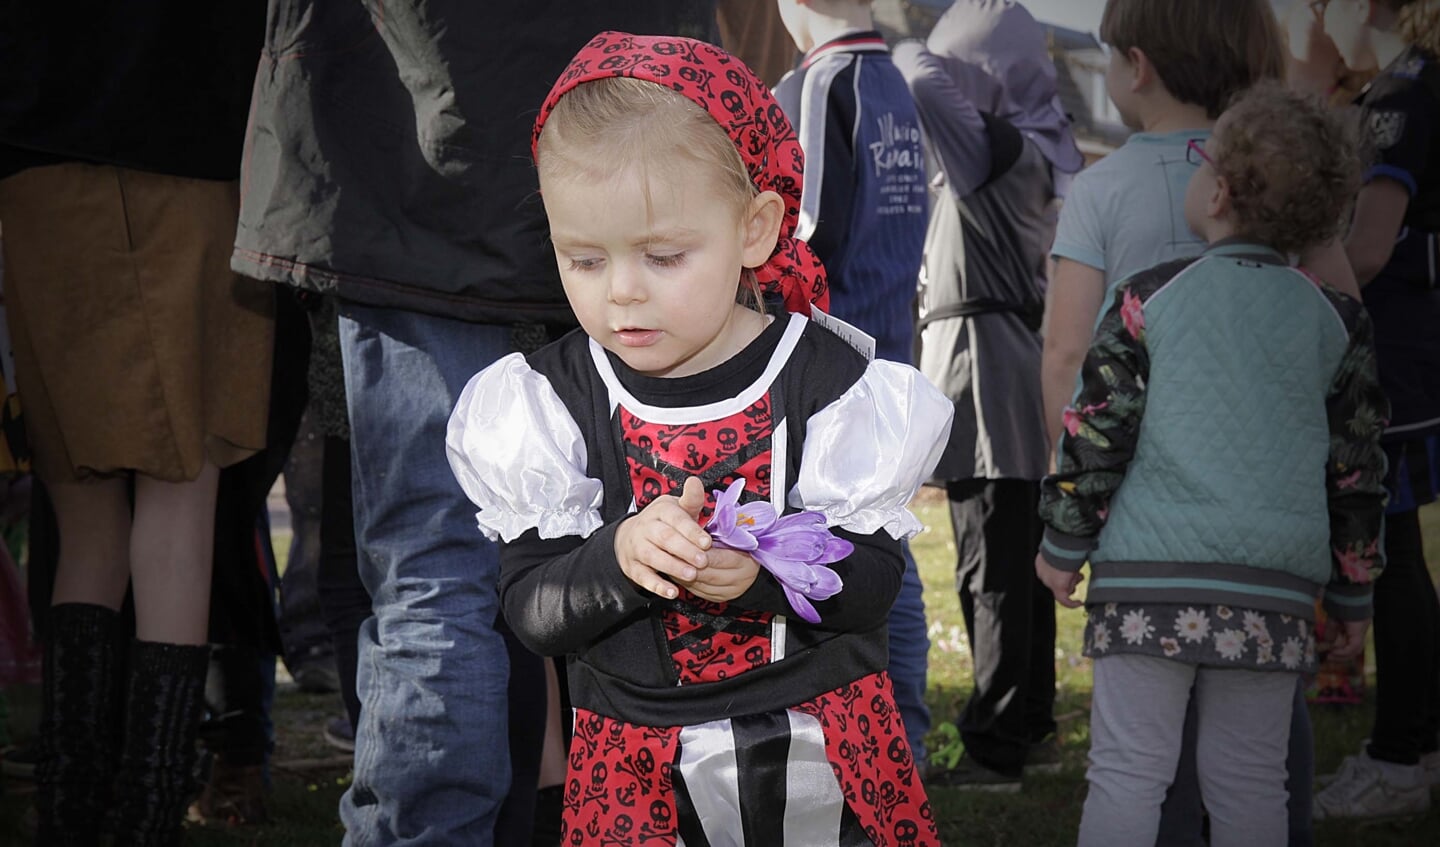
x,y
910,656
432,762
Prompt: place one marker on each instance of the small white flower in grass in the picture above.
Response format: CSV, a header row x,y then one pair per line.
x,y
1100,638
1255,626
1170,645
951,641
1290,653
1230,643
1224,613
1135,628
1192,625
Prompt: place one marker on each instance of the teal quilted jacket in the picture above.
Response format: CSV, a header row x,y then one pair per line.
x,y
1223,443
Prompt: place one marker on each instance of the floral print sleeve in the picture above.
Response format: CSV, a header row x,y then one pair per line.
x,y
1358,412
1102,426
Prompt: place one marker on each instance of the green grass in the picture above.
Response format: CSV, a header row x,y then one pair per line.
x,y
1046,812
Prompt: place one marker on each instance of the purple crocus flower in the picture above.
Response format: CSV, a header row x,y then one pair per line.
x,y
733,525
794,548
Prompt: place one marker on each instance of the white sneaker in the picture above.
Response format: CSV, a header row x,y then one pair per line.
x,y
1430,764
1367,788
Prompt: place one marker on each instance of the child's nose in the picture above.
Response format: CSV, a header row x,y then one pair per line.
x,y
626,284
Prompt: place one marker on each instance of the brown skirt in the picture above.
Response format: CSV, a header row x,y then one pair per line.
x,y
136,348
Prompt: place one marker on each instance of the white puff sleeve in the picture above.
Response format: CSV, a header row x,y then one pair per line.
x,y
520,457
867,454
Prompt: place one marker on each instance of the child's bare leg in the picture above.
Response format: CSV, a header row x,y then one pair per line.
x,y
553,758
171,552
93,519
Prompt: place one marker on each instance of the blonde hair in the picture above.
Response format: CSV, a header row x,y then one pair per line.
x,y
606,125
603,126
1292,165
1420,25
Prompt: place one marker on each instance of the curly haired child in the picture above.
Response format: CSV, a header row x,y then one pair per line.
x,y
1220,469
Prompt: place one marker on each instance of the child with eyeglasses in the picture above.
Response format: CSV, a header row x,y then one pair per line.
x,y
1220,469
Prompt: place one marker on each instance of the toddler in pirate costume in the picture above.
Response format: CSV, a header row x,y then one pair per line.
x,y
721,696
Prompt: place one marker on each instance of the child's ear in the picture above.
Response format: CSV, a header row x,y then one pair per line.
x,y
1143,71
762,227
1217,206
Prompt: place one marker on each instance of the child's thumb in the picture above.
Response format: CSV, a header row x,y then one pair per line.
x,y
692,496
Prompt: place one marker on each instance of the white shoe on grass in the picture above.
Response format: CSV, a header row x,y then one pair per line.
x,y
1367,788
1430,763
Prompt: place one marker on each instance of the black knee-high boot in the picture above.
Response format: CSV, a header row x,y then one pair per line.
x,y
77,725
156,777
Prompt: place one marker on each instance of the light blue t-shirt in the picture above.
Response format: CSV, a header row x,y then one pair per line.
x,y
1126,212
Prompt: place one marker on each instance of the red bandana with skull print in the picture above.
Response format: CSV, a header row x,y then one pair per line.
x,y
731,94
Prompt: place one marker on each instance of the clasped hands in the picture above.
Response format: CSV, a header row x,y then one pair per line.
x,y
664,545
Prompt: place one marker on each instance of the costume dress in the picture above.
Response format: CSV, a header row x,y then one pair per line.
x,y
700,722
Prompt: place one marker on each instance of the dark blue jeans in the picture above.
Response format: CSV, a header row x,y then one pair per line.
x,y
432,751
910,656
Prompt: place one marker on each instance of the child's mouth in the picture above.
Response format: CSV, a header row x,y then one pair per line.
x,y
637,337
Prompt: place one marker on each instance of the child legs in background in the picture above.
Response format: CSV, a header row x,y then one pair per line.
x,y
1241,747
1137,720
1136,727
1182,817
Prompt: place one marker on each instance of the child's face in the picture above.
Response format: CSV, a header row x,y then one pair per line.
x,y
1203,190
653,279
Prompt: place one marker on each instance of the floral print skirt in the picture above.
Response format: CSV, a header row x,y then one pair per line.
x,y
1199,634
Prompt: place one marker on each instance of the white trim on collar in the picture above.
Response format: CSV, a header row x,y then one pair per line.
x,y
677,415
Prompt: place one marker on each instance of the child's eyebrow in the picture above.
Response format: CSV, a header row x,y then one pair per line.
x,y
567,240
673,235
666,236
